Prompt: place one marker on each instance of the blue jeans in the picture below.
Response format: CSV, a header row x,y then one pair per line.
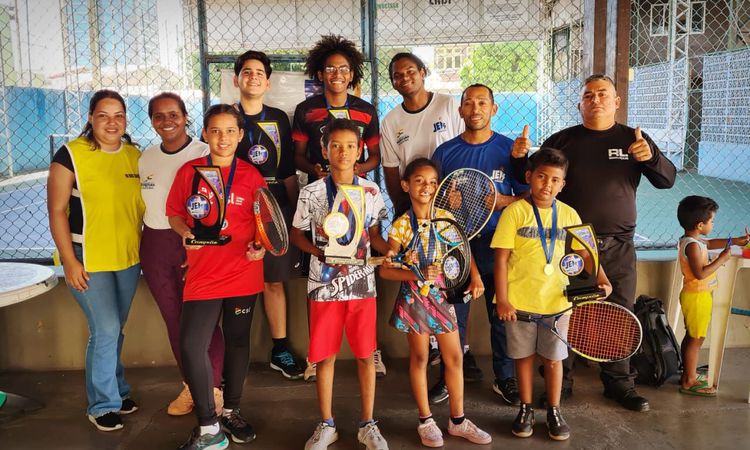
x,y
484,256
106,304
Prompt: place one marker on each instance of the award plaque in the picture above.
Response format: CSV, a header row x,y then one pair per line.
x,y
342,227
580,241
199,207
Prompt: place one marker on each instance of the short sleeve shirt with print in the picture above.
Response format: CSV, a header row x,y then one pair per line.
x,y
341,282
267,145
157,169
529,288
313,114
406,136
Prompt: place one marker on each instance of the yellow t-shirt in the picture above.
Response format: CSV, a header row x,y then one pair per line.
x,y
529,288
109,188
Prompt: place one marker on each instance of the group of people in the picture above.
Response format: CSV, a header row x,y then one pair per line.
x,y
115,212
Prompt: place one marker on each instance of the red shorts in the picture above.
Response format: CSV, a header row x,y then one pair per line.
x,y
328,320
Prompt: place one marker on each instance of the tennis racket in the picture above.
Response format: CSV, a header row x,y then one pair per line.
x,y
469,195
597,330
270,227
451,253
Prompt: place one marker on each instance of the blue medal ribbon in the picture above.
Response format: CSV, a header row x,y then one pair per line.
x,y
228,185
329,107
424,259
246,120
548,251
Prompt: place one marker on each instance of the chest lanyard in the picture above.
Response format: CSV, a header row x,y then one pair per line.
x,y
344,108
424,259
246,120
230,180
331,190
548,251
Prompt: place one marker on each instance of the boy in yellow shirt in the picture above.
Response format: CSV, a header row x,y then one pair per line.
x,y
529,242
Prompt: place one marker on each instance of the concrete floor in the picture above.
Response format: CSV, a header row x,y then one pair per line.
x,y
284,413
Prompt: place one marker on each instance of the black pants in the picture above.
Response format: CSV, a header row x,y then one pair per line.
x,y
196,327
617,256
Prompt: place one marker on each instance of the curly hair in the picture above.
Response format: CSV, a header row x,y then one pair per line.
x,y
335,45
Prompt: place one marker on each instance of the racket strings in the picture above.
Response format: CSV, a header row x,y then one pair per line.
x,y
603,331
273,226
453,252
464,195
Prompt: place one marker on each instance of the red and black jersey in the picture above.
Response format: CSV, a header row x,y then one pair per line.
x,y
267,145
314,113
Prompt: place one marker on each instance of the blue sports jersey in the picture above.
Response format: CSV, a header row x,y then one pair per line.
x,y
491,157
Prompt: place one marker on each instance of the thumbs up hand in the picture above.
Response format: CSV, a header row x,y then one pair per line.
x,y
640,149
522,144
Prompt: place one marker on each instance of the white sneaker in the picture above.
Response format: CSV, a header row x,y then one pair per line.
x,y
323,436
469,431
310,371
379,366
370,436
430,434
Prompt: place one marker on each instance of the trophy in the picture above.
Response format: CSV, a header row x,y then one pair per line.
x,y
337,225
199,208
580,241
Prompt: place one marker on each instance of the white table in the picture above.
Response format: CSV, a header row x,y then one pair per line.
x,y
722,305
20,282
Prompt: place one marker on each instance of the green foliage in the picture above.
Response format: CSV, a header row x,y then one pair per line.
x,y
503,66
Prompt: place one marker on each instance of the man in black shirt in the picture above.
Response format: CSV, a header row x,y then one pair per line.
x,y
607,160
267,145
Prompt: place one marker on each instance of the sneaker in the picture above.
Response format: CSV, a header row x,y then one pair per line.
x,y
287,364
430,434
240,431
469,431
508,390
183,404
379,366
323,436
434,357
218,401
128,406
523,426
472,372
310,371
565,394
438,393
369,435
200,441
107,422
628,399
558,429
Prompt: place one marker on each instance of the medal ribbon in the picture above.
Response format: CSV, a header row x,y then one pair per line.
x,y
424,259
548,252
329,107
228,185
248,125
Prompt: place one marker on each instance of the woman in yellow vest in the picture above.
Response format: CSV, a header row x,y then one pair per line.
x,y
95,213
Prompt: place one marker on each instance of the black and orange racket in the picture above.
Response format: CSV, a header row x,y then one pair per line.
x,y
271,232
598,330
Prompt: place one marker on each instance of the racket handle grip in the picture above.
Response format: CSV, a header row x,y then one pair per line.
x,y
376,260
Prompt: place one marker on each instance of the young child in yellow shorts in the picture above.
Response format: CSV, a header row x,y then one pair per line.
x,y
696,216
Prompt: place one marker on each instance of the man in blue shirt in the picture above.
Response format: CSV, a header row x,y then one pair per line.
x,y
478,147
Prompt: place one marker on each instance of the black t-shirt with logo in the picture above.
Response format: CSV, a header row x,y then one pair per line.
x,y
602,177
267,145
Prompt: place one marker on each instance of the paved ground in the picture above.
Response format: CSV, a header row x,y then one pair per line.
x,y
284,413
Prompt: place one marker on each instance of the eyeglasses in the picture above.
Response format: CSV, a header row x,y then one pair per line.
x,y
341,69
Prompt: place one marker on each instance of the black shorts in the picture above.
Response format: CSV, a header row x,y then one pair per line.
x,y
282,268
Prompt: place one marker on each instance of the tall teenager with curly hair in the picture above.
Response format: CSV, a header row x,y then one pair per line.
x,y
339,65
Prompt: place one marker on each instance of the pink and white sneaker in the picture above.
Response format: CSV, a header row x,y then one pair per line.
x,y
430,434
469,431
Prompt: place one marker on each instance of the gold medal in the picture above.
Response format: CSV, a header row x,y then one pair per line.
x,y
548,269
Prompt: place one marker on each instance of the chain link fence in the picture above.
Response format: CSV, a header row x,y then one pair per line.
x,y
690,90
56,53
